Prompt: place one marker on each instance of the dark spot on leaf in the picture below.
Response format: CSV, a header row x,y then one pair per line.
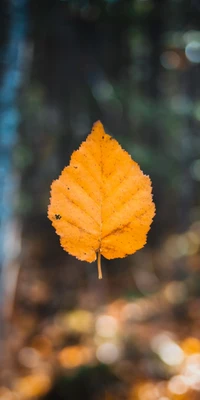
x,y
57,216
102,137
75,167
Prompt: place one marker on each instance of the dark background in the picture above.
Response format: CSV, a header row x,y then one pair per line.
x,y
135,65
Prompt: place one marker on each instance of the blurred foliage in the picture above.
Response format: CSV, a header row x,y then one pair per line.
x,y
133,64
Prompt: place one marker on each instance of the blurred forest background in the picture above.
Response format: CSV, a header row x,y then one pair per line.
x,y
135,65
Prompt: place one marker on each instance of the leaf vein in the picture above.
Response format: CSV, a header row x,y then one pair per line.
x,y
115,230
77,204
76,226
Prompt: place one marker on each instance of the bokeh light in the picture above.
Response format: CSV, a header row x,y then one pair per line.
x,y
108,353
169,352
192,51
106,326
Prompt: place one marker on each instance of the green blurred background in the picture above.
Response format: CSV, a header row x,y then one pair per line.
x,y
135,65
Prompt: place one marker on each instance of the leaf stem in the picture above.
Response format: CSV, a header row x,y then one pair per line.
x,y
99,265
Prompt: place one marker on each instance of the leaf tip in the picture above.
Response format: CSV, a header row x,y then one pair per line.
x,y
97,125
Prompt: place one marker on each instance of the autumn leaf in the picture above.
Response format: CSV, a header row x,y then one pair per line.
x,y
102,203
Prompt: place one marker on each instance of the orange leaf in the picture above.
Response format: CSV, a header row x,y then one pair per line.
x,y
102,203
